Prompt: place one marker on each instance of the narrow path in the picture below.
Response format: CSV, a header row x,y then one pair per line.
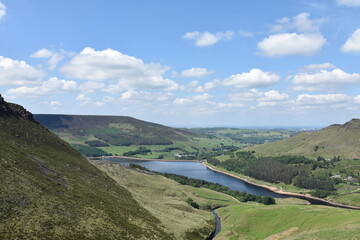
x,y
217,225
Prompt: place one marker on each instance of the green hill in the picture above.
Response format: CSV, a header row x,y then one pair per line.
x,y
335,140
49,191
114,130
117,135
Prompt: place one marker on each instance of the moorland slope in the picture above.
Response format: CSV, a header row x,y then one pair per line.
x,y
49,191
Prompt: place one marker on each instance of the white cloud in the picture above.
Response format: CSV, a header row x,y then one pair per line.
x,y
127,72
323,79
291,44
300,23
254,94
84,100
274,95
357,99
320,66
2,11
13,72
42,53
207,39
254,78
54,57
307,99
146,96
53,85
268,104
246,34
89,87
349,3
196,72
353,43
206,87
192,99
55,103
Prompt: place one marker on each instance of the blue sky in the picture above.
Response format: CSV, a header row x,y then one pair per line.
x,y
185,63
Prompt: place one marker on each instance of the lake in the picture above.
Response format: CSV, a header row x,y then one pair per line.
x,y
199,171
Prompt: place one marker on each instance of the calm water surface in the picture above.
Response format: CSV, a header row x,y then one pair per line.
x,y
199,171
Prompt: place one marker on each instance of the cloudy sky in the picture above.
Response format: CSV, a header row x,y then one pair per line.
x,y
185,62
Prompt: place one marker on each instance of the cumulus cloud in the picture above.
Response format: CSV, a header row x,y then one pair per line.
x,y
54,57
196,72
353,43
349,3
14,72
299,23
323,80
2,11
202,39
254,78
307,99
272,98
126,72
53,85
206,87
298,35
146,96
291,44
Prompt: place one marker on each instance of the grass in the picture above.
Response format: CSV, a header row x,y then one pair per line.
x,y
214,198
335,140
49,191
292,221
165,199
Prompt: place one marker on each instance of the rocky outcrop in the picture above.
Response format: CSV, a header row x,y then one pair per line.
x,y
14,110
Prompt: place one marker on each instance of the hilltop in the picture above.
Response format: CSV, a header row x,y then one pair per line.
x,y
335,140
119,135
49,191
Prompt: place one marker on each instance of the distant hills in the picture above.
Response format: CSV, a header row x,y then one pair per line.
x,y
49,191
114,130
96,136
335,140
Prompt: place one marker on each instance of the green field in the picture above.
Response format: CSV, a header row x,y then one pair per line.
x,y
115,135
288,222
165,199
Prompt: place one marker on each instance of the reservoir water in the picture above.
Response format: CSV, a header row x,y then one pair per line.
x,y
199,171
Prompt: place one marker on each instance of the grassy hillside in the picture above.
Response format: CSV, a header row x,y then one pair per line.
x,y
49,191
288,221
335,140
169,204
248,136
117,135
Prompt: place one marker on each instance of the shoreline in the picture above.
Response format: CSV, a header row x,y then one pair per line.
x,y
141,159
308,197
278,191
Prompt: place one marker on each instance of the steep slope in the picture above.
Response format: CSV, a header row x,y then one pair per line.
x,y
49,191
335,140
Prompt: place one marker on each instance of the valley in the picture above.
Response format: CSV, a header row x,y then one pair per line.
x,y
54,180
